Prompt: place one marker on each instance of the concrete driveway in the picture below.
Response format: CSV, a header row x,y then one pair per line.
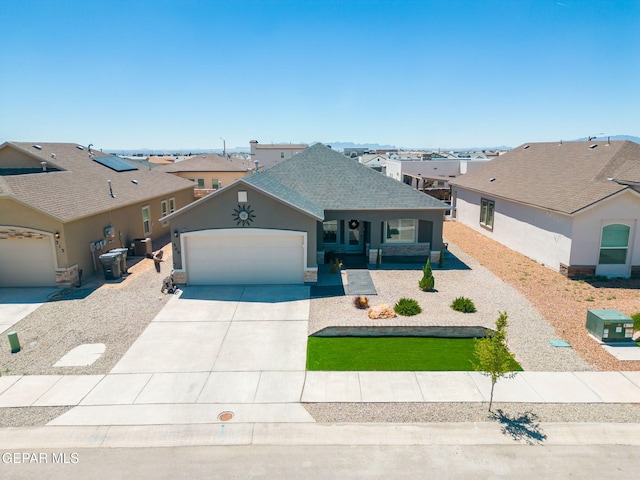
x,y
17,303
210,350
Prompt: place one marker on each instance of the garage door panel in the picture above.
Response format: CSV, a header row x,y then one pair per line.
x,y
27,262
233,258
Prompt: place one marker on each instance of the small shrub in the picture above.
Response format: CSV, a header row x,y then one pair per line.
x,y
361,302
464,305
427,282
636,321
407,307
336,265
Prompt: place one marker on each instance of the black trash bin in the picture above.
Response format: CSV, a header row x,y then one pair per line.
x,y
123,258
111,265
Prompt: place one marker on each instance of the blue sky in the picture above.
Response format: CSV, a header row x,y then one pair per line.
x,y
183,74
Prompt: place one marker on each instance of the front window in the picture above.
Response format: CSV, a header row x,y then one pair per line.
x,y
172,205
330,231
146,220
487,208
614,244
201,183
281,154
163,208
400,231
214,183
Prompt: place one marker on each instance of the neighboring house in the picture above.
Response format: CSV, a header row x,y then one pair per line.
x,y
268,155
375,161
209,171
573,206
276,226
62,205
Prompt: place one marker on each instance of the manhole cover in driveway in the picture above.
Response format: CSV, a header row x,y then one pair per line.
x,y
225,416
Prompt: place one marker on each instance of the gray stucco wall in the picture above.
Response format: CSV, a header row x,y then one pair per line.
x,y
376,217
216,211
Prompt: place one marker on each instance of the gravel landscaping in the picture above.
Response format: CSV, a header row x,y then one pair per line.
x,y
528,332
114,313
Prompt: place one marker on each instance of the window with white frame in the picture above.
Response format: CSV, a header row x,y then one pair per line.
x,y
172,205
330,231
614,244
146,220
487,208
163,208
401,231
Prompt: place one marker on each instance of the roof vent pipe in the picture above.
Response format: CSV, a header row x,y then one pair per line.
x,y
44,166
257,165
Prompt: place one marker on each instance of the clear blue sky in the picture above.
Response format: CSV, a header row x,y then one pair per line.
x,y
168,74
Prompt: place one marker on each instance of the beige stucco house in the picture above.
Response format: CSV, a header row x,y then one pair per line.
x,y
270,154
209,171
63,204
572,206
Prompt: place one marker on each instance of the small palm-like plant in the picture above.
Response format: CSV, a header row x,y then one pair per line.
x,y
361,303
464,305
407,307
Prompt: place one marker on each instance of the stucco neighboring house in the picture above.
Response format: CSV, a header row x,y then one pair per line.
x,y
62,205
276,226
572,206
209,171
270,154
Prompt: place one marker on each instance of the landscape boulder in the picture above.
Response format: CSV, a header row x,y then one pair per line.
x,y
381,311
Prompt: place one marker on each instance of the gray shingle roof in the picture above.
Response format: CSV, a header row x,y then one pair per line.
x,y
322,179
207,163
563,177
81,188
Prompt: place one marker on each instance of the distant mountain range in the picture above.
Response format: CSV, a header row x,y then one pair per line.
x,y
341,146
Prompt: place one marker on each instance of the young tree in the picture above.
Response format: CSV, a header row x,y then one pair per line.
x,y
427,282
493,359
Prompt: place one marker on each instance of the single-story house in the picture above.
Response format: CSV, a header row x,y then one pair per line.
x,y
276,226
63,204
209,171
572,206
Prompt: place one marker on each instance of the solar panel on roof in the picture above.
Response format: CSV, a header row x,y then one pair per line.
x,y
115,163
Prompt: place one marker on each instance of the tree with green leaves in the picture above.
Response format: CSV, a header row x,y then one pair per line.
x,y
427,282
493,359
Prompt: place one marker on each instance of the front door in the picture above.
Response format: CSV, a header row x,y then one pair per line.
x,y
355,234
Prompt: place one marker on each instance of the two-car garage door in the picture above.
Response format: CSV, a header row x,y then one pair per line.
x,y
27,261
244,256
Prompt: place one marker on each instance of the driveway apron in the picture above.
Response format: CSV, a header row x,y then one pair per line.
x,y
210,350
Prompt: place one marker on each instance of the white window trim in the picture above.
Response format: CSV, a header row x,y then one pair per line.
x,y
164,208
488,226
144,222
172,204
415,232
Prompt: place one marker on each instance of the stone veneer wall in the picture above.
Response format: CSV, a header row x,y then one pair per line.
x,y
311,275
577,271
405,249
180,277
68,277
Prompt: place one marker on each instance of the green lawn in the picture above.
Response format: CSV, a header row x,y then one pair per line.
x,y
391,354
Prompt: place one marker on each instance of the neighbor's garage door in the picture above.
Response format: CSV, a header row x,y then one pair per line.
x,y
245,256
27,262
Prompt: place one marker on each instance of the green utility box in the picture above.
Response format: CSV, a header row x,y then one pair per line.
x,y
610,326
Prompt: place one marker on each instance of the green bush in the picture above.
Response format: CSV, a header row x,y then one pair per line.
x,y
636,321
464,305
407,307
427,282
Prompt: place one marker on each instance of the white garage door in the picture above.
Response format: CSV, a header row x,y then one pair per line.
x,y
27,262
247,256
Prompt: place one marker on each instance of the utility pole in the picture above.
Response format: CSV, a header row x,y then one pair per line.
x,y
224,147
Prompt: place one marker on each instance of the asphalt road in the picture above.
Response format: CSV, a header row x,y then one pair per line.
x,y
439,462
